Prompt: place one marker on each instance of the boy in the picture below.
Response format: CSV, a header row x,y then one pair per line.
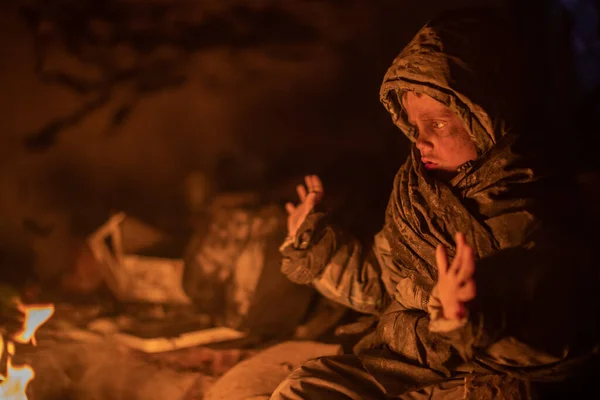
x,y
513,304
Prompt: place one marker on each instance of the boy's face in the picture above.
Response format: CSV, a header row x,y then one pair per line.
x,y
442,139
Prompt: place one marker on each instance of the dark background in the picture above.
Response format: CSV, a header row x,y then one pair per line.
x,y
110,105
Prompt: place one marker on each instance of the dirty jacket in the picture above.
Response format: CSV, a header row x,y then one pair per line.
x,y
532,272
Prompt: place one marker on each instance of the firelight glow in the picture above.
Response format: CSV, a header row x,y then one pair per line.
x,y
35,316
13,386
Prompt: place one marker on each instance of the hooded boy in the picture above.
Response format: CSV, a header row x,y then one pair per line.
x,y
480,280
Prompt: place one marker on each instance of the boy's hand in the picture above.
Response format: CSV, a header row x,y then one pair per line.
x,y
310,196
455,283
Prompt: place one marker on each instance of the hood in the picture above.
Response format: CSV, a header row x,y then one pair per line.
x,y
467,60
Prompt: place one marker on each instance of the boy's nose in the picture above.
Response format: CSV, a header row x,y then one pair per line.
x,y
423,144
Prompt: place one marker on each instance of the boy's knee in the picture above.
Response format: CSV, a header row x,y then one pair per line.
x,y
332,377
290,387
308,381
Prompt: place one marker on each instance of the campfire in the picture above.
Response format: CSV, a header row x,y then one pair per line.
x,y
15,379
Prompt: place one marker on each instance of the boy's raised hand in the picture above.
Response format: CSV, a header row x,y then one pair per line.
x,y
455,283
310,196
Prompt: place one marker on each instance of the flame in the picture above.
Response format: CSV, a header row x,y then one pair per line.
x,y
13,386
35,316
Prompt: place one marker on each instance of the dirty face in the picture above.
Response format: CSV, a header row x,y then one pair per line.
x,y
442,138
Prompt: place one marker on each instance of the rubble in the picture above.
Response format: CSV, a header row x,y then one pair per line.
x,y
232,270
188,339
133,277
179,315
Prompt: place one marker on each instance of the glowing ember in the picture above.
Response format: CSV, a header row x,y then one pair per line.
x,y
35,316
13,386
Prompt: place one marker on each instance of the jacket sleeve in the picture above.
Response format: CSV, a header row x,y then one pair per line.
x,y
338,265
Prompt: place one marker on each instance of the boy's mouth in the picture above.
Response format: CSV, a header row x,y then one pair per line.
x,y
430,165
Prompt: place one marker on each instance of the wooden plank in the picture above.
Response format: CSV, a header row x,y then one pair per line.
x,y
186,340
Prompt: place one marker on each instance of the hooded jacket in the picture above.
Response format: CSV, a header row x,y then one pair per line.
x,y
533,271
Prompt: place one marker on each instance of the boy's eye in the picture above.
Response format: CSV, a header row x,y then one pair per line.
x,y
438,124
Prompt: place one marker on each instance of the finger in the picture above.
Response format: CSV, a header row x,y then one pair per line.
x,y
315,189
318,187
457,260
304,211
289,207
467,265
309,182
317,184
311,200
441,259
467,292
301,190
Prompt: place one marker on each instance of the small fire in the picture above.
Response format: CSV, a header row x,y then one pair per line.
x,y
13,386
35,316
